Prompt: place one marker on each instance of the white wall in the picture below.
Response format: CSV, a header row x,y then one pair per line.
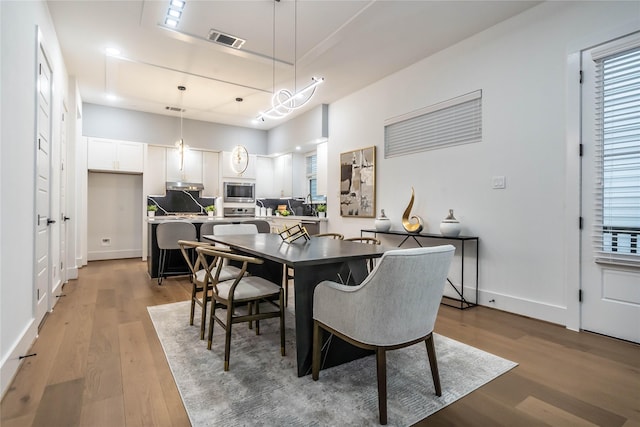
x,y
520,65
18,29
114,211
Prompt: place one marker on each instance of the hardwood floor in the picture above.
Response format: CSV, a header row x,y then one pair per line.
x,y
99,363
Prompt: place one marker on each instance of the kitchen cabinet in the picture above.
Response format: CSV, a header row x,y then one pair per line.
x,y
264,178
115,156
321,168
210,174
155,174
192,171
283,175
228,172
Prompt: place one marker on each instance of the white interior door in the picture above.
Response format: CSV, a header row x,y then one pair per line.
x,y
610,258
63,199
43,182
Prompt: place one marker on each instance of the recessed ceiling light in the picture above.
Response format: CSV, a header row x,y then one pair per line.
x,y
170,22
298,147
111,97
112,51
177,3
174,13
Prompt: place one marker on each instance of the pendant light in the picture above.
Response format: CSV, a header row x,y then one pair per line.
x,y
284,101
180,143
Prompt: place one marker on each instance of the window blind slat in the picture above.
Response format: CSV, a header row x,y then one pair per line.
x,y
453,124
616,230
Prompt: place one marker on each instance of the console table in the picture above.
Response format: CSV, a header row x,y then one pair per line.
x,y
462,302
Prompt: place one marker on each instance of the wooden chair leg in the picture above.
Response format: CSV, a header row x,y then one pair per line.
x,y
212,322
194,293
257,321
203,318
381,365
433,363
317,344
227,337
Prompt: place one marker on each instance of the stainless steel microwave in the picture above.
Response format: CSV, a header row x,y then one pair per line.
x,y
240,192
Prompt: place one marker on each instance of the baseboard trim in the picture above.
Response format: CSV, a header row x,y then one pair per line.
x,y
12,362
524,307
118,254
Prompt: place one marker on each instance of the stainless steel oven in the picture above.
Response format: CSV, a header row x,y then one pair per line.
x,y
239,192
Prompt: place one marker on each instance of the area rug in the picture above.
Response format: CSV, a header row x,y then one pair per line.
x,y
262,388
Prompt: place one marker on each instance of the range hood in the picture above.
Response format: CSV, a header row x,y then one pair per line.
x,y
186,186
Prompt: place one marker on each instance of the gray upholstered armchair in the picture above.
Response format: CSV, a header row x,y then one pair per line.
x,y
396,306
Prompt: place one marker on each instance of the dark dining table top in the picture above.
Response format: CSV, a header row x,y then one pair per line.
x,y
316,251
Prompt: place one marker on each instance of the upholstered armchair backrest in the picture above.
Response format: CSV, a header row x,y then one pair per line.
x,y
397,303
168,233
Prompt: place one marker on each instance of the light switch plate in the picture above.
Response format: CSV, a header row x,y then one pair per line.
x,y
498,182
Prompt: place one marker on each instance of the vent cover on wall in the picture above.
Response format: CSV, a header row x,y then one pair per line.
x,y
225,39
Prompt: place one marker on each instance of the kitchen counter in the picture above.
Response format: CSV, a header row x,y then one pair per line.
x,y
176,263
203,218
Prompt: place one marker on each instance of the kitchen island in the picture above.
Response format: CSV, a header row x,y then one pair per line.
x,y
175,262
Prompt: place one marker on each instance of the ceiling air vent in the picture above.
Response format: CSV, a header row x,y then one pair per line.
x,y
225,39
176,109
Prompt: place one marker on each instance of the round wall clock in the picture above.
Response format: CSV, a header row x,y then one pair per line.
x,y
239,159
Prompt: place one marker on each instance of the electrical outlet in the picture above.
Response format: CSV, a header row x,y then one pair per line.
x,y
106,241
498,182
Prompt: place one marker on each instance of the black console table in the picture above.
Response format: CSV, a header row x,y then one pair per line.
x,y
461,303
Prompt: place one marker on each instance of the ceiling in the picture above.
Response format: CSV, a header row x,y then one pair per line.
x,y
351,43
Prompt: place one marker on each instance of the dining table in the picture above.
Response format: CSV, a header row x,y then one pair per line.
x,y
313,260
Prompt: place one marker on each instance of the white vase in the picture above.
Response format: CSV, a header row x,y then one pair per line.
x,y
382,223
450,226
151,214
322,214
210,214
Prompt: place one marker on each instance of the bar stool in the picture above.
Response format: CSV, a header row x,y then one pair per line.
x,y
168,234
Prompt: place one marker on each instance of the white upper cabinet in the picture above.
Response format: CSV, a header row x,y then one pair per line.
x,y
210,174
192,171
264,177
229,172
283,175
155,173
115,156
321,168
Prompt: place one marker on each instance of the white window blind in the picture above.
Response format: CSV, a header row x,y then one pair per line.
x,y
453,122
617,207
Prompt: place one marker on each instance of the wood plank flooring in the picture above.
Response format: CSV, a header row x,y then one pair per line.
x,y
99,363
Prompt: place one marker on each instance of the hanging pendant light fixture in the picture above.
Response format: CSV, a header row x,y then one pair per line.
x,y
180,143
284,101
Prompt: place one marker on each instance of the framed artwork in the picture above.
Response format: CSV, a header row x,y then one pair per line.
x,y
358,183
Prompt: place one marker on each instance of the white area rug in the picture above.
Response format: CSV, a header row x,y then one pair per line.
x,y
262,388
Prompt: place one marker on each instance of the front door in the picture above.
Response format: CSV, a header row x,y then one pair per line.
x,y
43,180
610,256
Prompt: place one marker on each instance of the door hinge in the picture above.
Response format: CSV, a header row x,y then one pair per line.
x,y
39,144
581,76
580,223
580,295
38,294
581,149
